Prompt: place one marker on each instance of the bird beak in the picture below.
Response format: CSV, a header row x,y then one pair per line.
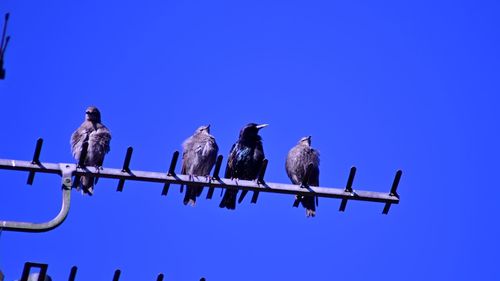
x,y
261,126
309,138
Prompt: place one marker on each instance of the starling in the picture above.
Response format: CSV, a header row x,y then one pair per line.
x,y
244,161
299,158
198,157
97,136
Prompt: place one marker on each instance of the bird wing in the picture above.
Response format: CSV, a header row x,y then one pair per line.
x,y
230,162
98,145
186,149
258,153
209,155
78,137
292,165
210,148
314,159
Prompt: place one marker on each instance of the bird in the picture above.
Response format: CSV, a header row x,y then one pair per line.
x,y
298,159
98,137
244,161
198,157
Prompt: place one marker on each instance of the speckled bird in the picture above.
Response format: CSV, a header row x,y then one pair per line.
x,y
244,161
297,161
198,157
98,137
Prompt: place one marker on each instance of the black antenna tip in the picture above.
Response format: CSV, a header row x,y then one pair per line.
x,y
7,15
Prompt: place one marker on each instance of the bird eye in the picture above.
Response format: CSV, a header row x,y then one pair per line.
x,y
87,112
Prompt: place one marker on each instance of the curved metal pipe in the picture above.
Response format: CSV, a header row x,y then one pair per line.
x,y
44,226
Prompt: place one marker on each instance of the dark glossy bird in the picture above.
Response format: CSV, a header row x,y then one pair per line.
x,y
198,157
297,161
244,161
97,136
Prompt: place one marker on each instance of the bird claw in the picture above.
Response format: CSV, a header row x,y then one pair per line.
x,y
98,169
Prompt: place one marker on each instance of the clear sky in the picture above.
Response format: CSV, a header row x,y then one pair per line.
x,y
389,85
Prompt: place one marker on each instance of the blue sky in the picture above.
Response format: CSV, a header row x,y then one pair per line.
x,y
382,86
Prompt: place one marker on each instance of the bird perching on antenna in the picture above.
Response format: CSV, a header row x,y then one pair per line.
x,y
3,46
244,161
302,167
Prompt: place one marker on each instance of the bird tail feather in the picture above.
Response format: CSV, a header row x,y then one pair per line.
x,y
87,184
229,199
308,202
191,194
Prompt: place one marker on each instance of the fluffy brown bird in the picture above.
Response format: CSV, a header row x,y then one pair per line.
x,y
97,136
299,158
198,157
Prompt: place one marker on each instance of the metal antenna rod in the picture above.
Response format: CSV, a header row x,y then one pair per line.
x,y
393,192
36,160
67,171
158,177
4,49
4,31
125,168
27,268
72,274
171,172
218,164
348,188
116,276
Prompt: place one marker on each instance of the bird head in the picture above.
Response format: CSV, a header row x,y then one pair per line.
x,y
305,141
93,114
203,129
251,130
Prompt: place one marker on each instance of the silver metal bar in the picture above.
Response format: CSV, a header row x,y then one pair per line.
x,y
18,165
41,227
202,181
66,171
